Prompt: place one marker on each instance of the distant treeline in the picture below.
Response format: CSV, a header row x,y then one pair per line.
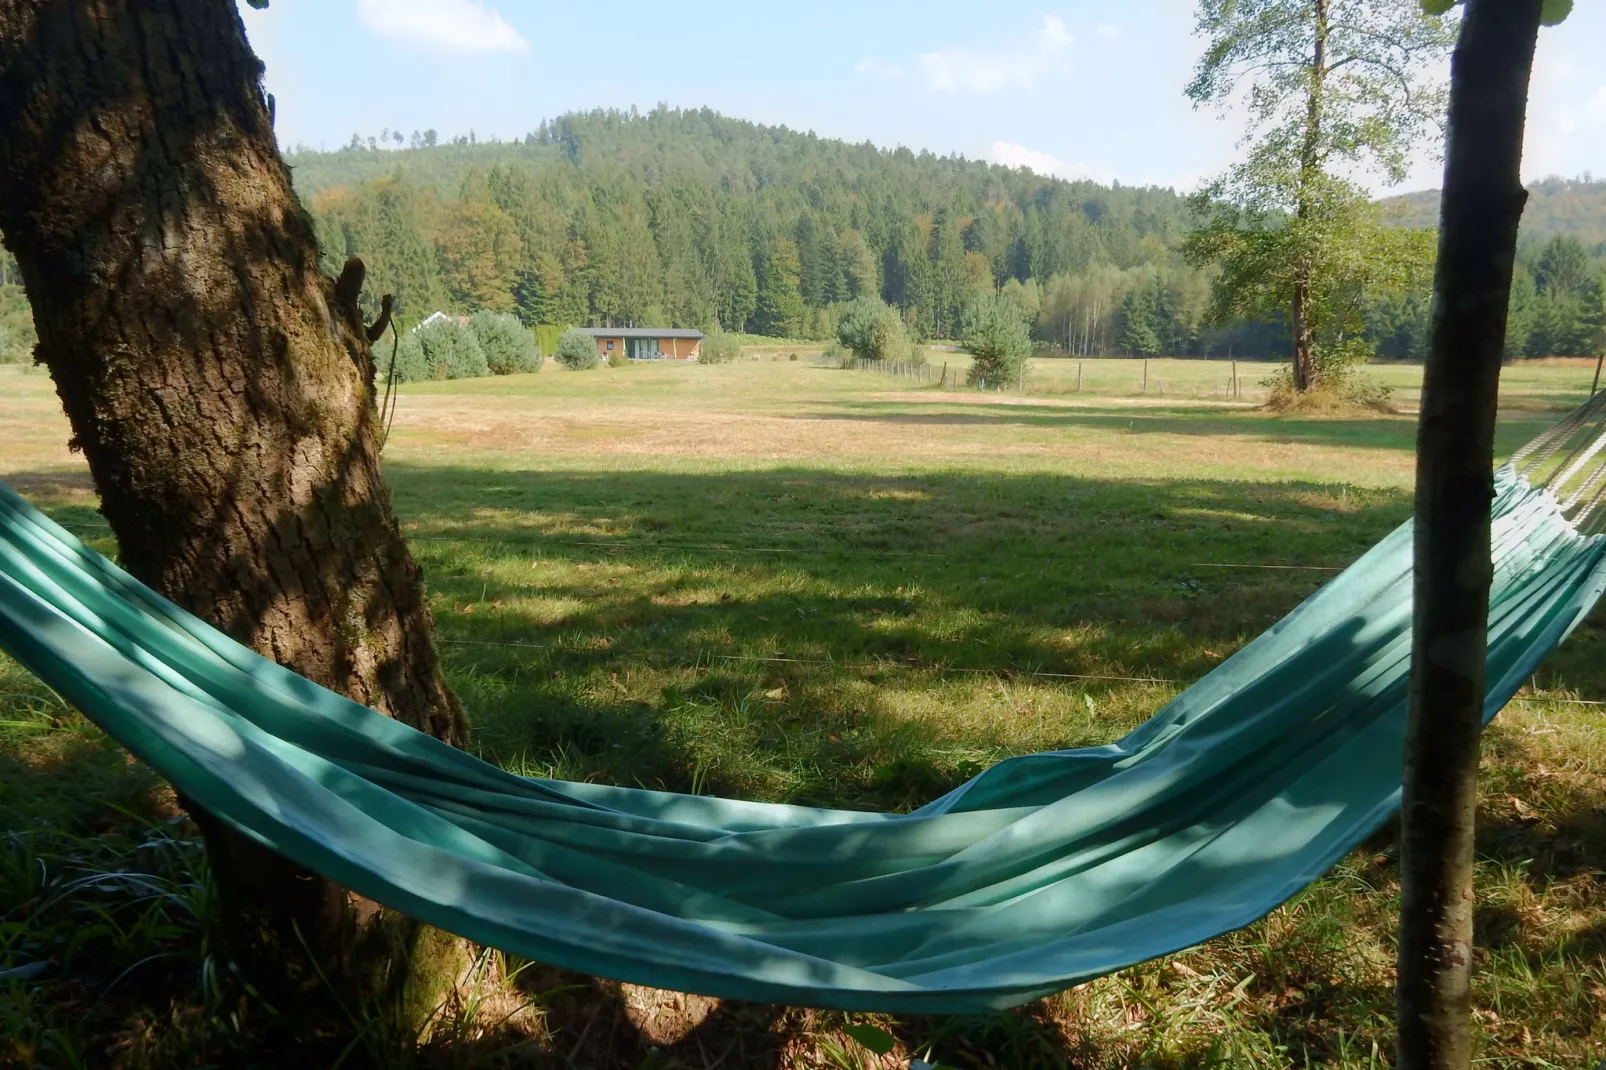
x,y
1575,206
690,219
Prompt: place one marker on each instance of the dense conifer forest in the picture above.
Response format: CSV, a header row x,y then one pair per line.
x,y
687,218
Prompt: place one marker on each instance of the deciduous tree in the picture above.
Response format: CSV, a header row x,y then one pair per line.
x,y
221,388
479,254
1479,213
1330,87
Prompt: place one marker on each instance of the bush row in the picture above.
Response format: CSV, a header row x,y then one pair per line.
x,y
493,343
490,343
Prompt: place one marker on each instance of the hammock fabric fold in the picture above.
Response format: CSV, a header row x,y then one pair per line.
x,y
1041,872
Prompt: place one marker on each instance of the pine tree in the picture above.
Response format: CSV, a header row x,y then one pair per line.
x,y
780,298
572,303
402,262
820,257
1137,334
536,290
1592,316
627,279
1563,266
995,334
736,295
861,273
949,292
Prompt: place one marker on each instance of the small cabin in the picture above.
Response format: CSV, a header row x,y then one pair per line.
x,y
647,343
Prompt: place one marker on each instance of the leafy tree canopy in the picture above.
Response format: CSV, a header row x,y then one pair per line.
x,y
1332,87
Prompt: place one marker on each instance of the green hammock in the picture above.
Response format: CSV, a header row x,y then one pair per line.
x,y
1043,871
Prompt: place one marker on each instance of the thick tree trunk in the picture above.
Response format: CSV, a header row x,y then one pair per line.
x,y
1483,201
220,387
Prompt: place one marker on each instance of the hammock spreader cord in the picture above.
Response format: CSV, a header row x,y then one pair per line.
x,y
1569,460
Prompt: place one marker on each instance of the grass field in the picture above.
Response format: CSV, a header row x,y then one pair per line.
x,y
794,583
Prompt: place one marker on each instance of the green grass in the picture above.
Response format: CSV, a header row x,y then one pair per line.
x,y
793,583
1540,385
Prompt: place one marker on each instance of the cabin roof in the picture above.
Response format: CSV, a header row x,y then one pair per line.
x,y
641,332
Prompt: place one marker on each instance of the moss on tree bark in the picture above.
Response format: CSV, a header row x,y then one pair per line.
x,y
221,389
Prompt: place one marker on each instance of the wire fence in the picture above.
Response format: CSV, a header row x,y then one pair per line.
x,y
918,371
925,373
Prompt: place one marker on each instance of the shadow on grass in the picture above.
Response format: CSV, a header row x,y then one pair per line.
x,y
1383,432
635,599
815,636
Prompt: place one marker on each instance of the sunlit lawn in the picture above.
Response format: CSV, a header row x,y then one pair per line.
x,y
788,582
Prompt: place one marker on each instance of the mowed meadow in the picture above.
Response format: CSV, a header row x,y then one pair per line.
x,y
789,582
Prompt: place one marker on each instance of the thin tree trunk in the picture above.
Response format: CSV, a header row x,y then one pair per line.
x,y
1482,204
1304,362
220,387
1304,356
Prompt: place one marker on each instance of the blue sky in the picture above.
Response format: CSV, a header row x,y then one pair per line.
x,y
1078,88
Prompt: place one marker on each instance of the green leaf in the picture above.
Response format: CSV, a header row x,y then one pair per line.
x,y
260,5
1550,12
873,1037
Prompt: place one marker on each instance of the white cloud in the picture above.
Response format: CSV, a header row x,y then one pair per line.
x,y
1012,155
462,26
871,68
958,70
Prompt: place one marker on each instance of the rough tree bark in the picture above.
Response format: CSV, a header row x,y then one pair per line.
x,y
1310,170
1482,204
220,387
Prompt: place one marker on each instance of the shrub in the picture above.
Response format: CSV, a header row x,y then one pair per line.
x,y
17,341
577,351
508,345
871,329
440,350
719,348
1341,386
405,361
996,336
617,359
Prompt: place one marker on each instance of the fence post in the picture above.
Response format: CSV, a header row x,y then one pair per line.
x,y
1145,375
1235,378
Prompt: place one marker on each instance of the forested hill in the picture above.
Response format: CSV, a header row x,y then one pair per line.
x,y
1575,207
691,219
688,218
